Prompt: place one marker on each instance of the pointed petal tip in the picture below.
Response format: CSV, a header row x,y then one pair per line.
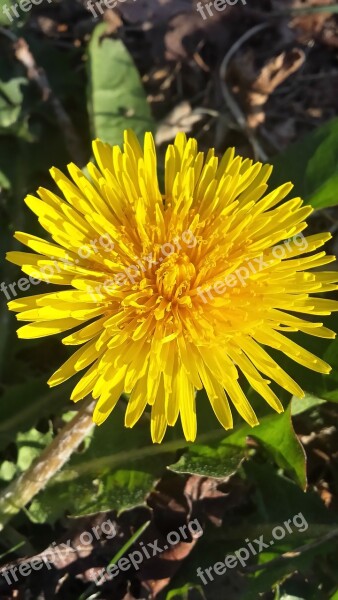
x,y
190,438
12,305
157,437
55,380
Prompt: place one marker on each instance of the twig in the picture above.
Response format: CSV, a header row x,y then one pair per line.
x,y
23,489
229,98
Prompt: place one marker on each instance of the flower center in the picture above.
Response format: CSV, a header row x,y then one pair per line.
x,y
175,275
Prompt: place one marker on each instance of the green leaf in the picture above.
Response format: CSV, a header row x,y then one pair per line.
x,y
331,357
118,470
312,165
219,460
117,100
4,20
279,498
275,433
11,98
29,446
132,540
16,15
322,171
301,405
7,470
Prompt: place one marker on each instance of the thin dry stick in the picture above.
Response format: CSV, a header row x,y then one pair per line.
x,y
23,489
228,97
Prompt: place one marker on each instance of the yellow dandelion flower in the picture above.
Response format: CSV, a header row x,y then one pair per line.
x,y
175,290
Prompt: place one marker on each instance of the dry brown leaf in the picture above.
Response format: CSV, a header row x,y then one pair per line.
x,y
258,87
181,118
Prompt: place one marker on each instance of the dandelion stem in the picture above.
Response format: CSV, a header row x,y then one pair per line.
x,y
23,489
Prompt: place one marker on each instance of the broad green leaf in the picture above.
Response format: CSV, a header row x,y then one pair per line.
x,y
275,433
219,460
322,171
331,396
312,165
116,97
301,405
